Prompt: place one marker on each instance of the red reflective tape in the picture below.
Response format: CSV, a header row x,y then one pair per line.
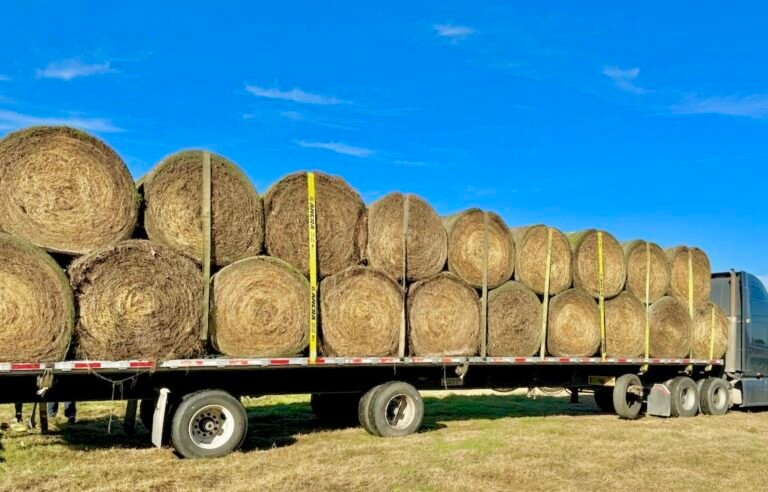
x,y
656,361
26,367
319,360
237,362
279,362
564,359
140,364
520,359
356,360
622,360
447,359
87,365
387,360
686,361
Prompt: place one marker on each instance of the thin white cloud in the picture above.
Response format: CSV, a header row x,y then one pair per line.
x,y
453,32
13,120
294,95
751,106
337,147
73,68
624,78
764,279
4,78
292,115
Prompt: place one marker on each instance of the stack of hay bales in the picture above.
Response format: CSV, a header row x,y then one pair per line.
x,y
395,277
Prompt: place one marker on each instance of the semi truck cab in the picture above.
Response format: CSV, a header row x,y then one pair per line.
x,y
743,297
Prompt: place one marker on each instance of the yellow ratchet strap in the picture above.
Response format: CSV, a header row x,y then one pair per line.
x,y
647,305
545,306
601,293
404,320
312,243
711,338
690,283
484,299
205,214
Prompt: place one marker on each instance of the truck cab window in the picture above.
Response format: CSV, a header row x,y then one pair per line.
x,y
757,351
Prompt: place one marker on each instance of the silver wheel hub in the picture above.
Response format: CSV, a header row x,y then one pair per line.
x,y
211,427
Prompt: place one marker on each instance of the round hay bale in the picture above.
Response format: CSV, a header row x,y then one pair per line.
x,y
705,317
64,190
36,306
137,300
636,259
573,327
514,321
173,193
701,273
624,326
259,308
585,263
444,317
426,245
362,311
341,224
531,259
465,248
671,328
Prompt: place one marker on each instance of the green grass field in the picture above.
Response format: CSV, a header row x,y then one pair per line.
x,y
468,441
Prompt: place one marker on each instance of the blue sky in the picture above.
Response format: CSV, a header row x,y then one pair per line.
x,y
649,120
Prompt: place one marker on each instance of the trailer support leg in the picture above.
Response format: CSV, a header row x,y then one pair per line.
x,y
43,412
574,395
129,422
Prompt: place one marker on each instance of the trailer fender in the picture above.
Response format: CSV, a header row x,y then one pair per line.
x,y
158,419
660,401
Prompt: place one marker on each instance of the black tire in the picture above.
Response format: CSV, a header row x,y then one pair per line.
x,y
396,410
684,397
626,403
208,424
604,400
714,397
336,408
364,410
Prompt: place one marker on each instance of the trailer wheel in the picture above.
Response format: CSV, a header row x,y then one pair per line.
x,y
335,408
396,410
713,397
684,397
364,410
208,424
604,400
627,396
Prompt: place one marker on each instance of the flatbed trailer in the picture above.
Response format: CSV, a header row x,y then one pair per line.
x,y
194,404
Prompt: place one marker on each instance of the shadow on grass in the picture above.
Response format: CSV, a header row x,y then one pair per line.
x,y
277,425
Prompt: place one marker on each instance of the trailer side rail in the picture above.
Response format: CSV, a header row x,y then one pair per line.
x,y
255,363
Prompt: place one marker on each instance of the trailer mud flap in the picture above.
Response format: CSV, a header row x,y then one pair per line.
x,y
660,401
158,419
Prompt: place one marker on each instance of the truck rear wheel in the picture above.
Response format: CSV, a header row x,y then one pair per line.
x,y
364,410
713,397
395,409
628,396
208,424
684,397
604,400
